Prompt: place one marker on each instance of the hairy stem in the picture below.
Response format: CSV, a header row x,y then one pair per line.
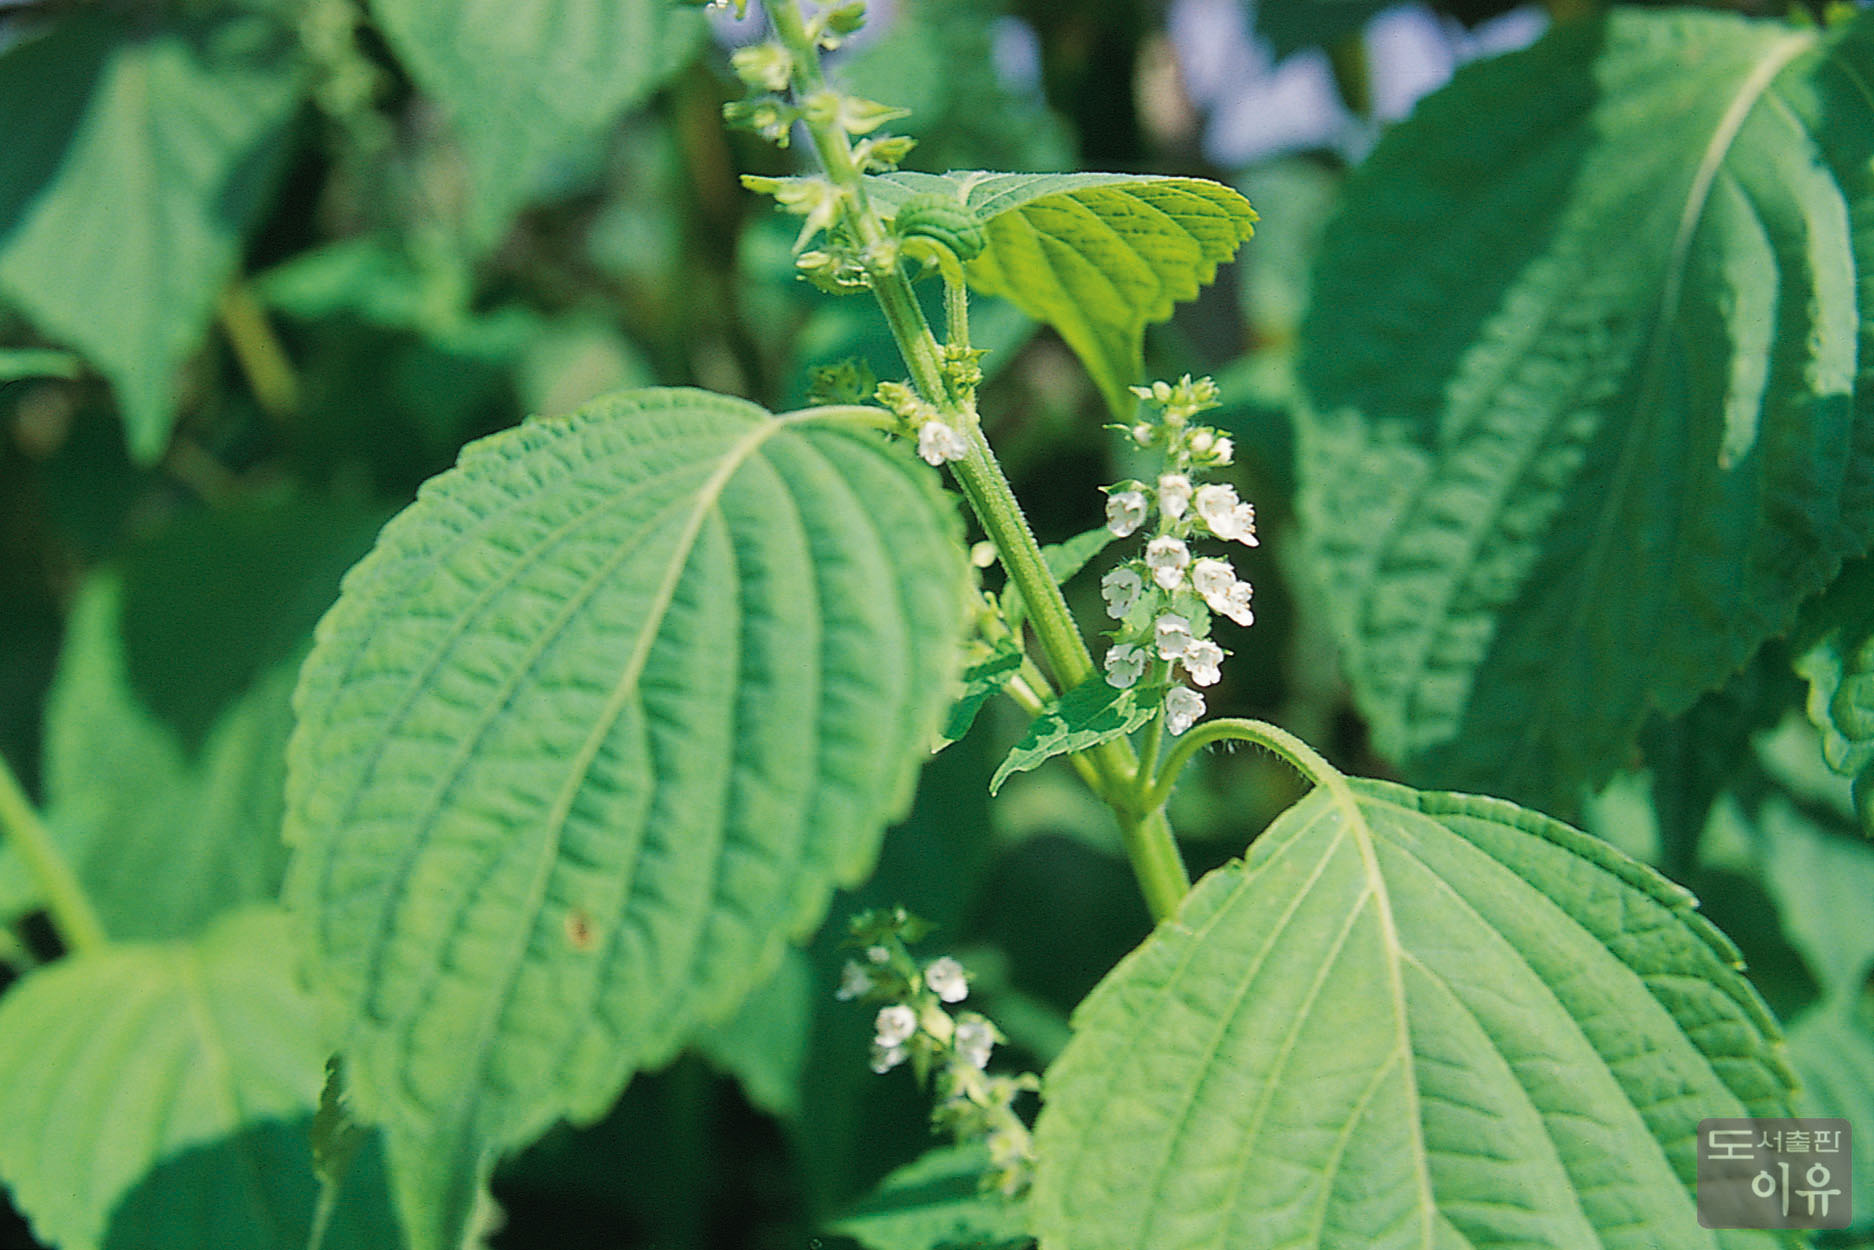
x,y
1305,759
1112,769
73,917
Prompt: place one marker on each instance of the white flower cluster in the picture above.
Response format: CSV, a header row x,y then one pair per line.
x,y
915,1025
1164,599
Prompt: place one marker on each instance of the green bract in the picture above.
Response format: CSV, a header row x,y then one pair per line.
x,y
1591,409
1406,1020
601,721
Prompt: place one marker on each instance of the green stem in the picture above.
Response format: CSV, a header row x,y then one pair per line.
x,y
1305,759
259,352
1121,783
73,916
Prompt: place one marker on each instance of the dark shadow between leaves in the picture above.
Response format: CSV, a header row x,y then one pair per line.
x,y
254,1190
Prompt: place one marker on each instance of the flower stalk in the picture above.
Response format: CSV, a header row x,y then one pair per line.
x,y
945,394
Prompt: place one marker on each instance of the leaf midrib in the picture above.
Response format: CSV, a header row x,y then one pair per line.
x,y
495,1004
1653,370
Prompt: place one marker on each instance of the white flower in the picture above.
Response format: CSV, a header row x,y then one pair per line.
x,y
1173,635
937,441
1183,706
1212,579
1216,504
1210,447
885,1058
878,954
853,981
1124,663
1166,557
946,979
1125,512
975,1038
1201,659
1174,494
1121,588
1236,605
895,1025
1244,522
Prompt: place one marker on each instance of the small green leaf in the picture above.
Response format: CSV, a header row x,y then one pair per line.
x,y
336,1137
160,1095
137,155
1091,713
983,676
1407,1019
936,1202
1590,375
1097,256
1066,558
532,84
597,727
1835,655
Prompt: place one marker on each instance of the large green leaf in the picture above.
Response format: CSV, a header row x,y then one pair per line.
x,y
1589,363
1097,256
1408,1019
136,157
162,840
598,724
530,83
162,1095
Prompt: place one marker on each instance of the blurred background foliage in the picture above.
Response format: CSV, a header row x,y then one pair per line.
x,y
390,265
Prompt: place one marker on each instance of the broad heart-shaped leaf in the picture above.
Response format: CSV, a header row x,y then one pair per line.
x,y
599,724
136,157
162,1094
1408,1019
163,841
1096,256
1093,712
530,83
1591,367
